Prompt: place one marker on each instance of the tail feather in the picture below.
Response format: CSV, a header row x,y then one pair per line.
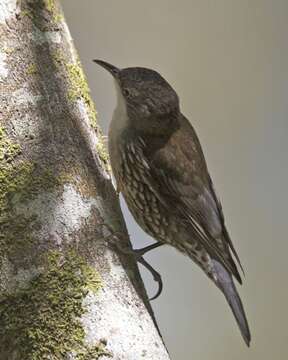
x,y
225,283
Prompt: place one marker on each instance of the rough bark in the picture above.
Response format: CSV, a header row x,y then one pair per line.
x,y
65,293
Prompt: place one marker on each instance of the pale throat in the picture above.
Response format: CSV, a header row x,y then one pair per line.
x,y
120,118
117,126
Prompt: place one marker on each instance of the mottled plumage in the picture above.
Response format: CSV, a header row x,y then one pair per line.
x,y
161,171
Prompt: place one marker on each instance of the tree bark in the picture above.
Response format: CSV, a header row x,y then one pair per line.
x,y
65,293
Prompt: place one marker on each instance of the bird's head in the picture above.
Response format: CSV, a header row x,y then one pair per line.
x,y
151,103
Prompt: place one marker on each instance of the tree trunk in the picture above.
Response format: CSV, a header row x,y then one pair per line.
x,y
64,292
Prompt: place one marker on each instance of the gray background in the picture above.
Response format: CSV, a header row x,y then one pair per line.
x,y
228,61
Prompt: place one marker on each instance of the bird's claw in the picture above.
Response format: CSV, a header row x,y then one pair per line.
x,y
155,274
138,254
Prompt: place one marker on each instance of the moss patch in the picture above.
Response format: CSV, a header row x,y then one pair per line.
x,y
16,231
13,181
103,153
34,10
22,180
78,86
12,229
9,180
19,181
94,352
58,58
8,150
80,90
32,69
43,320
50,5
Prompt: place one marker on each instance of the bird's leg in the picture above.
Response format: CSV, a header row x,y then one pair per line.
x,y
138,255
155,274
143,251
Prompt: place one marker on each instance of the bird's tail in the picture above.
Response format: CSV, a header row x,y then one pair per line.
x,y
226,285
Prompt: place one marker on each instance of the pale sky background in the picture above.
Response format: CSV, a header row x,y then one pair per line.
x,y
228,61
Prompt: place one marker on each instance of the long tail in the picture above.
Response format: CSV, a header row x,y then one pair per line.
x,y
225,283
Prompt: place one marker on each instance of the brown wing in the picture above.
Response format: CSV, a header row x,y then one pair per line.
x,y
178,173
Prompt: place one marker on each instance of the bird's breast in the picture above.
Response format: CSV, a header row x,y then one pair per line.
x,y
117,127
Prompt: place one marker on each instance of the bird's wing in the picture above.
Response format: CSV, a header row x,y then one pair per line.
x,y
224,230
177,173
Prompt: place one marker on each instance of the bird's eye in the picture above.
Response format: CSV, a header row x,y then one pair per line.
x,y
126,93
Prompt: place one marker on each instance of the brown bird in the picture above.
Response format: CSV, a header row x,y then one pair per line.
x,y
161,171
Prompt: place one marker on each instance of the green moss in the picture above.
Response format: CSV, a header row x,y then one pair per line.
x,y
8,150
27,13
42,320
92,276
19,181
103,154
32,69
50,5
34,10
57,57
93,353
13,180
17,185
16,240
23,181
80,90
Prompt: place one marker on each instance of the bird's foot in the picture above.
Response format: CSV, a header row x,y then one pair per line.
x,y
138,255
143,251
156,276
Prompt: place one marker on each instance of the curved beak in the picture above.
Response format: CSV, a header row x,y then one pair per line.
x,y
113,70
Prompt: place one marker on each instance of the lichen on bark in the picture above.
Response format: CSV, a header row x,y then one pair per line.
x,y
55,197
79,90
32,11
42,320
8,150
20,180
12,180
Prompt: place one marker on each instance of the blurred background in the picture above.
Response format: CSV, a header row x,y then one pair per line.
x,y
228,61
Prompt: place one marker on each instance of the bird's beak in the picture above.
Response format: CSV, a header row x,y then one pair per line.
x,y
114,71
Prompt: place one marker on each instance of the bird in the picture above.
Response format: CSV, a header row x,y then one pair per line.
x,y
160,169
